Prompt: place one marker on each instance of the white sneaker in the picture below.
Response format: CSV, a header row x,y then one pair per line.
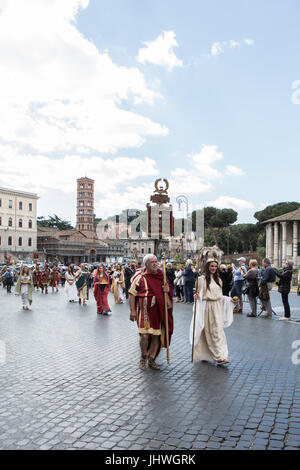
x,y
284,318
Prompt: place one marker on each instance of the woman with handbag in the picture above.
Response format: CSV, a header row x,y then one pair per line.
x,y
252,290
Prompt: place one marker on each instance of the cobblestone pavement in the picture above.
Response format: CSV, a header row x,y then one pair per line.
x,y
71,381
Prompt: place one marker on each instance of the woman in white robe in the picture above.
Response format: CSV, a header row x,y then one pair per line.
x,y
118,285
213,313
70,285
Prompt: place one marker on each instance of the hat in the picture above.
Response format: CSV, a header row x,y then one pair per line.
x,y
242,259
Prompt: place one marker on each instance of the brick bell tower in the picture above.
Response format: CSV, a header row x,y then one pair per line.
x,y
85,207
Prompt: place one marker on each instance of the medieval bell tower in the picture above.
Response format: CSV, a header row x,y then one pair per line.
x,y
85,207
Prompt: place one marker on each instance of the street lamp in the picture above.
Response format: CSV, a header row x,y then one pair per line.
x,y
183,199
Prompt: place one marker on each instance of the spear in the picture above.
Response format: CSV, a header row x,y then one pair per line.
x,y
195,303
166,308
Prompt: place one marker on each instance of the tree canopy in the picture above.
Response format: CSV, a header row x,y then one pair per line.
x,y
54,222
275,210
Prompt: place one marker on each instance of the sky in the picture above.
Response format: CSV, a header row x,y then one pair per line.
x,y
203,93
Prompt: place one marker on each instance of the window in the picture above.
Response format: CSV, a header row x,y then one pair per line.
x,y
149,250
10,204
29,242
81,203
30,223
0,240
89,186
0,202
0,221
89,204
20,241
81,186
20,206
81,211
298,251
142,251
9,241
30,207
20,223
10,222
81,194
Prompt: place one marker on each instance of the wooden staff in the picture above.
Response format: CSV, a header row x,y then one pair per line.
x,y
166,308
194,308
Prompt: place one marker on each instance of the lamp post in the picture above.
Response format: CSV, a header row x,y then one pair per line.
x,y
183,199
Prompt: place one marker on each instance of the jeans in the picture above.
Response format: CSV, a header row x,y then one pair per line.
x,y
268,306
253,304
285,301
237,288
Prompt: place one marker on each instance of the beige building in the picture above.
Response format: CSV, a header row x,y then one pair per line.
x,y
18,229
283,238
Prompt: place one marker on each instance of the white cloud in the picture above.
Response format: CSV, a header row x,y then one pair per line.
x,y
41,173
233,43
58,92
234,170
225,202
115,202
196,179
218,48
249,42
160,51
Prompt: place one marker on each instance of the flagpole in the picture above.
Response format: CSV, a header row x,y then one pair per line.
x,y
166,308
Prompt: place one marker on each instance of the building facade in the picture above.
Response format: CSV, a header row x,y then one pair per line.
x,y
283,238
18,229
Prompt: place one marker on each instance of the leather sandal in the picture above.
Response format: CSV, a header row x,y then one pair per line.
x,y
152,364
143,363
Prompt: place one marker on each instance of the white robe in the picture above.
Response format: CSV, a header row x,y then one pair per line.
x,y
71,290
213,313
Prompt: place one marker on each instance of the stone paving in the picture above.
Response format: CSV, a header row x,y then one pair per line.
x,y
71,381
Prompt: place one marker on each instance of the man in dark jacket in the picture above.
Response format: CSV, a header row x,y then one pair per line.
x,y
284,286
8,278
129,271
268,278
189,281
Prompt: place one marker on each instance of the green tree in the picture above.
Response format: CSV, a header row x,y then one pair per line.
x,y
54,222
275,210
216,220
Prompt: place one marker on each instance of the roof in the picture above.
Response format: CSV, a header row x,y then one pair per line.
x,y
15,192
290,216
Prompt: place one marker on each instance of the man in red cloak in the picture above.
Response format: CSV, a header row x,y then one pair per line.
x,y
147,308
